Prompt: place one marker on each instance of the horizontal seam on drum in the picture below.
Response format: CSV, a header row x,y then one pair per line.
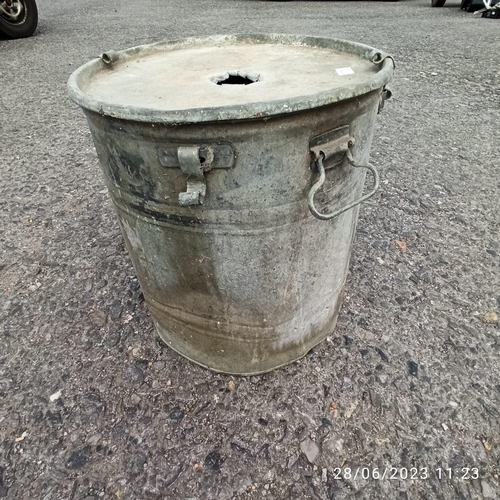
x,y
228,371
210,227
154,304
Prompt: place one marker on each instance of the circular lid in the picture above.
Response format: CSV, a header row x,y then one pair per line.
x,y
227,77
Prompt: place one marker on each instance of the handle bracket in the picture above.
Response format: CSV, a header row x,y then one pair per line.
x,y
332,148
332,145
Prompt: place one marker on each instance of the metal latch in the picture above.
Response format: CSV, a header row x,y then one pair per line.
x,y
194,161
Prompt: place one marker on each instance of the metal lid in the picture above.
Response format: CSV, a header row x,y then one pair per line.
x,y
230,77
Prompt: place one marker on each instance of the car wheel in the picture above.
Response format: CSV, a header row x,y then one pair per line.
x,y
18,18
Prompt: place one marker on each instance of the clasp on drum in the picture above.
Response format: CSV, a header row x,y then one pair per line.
x,y
195,161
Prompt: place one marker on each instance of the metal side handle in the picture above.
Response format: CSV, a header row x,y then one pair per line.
x,y
320,156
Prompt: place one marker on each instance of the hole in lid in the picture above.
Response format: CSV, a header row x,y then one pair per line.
x,y
235,78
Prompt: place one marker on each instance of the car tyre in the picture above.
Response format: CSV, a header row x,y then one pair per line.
x,y
22,27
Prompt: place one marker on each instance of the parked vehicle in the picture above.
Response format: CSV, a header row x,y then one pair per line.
x,y
18,18
491,9
473,6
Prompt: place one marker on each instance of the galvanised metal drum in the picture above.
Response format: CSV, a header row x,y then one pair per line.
x,y
233,164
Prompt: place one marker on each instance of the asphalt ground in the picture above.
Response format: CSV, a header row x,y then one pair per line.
x,y
402,400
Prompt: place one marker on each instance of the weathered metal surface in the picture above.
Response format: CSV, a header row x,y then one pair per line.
x,y
172,81
249,280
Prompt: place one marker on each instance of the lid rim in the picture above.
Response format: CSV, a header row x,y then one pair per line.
x,y
264,109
